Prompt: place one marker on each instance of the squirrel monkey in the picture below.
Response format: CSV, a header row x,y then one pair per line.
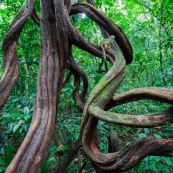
x,y
105,44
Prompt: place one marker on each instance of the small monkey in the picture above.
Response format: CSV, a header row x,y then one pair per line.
x,y
105,44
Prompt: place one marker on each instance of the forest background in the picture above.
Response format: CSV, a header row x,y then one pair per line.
x,y
148,25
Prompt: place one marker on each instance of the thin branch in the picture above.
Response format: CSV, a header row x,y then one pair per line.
x,y
67,79
35,17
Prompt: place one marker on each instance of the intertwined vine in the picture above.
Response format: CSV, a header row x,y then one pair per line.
x,y
57,37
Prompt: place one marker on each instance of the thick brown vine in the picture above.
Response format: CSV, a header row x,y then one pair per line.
x,y
57,37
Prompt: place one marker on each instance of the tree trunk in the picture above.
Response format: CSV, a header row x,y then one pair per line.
x,y
54,52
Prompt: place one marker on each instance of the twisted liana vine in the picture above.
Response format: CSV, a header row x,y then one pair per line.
x,y
57,37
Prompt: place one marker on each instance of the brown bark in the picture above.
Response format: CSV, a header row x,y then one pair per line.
x,y
57,37
33,151
10,62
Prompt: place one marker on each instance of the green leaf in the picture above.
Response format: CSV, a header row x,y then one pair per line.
x,y
168,161
8,154
53,149
3,168
26,110
16,126
2,162
157,136
12,115
142,135
47,164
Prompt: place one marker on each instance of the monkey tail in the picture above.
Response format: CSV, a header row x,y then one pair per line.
x,y
104,56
